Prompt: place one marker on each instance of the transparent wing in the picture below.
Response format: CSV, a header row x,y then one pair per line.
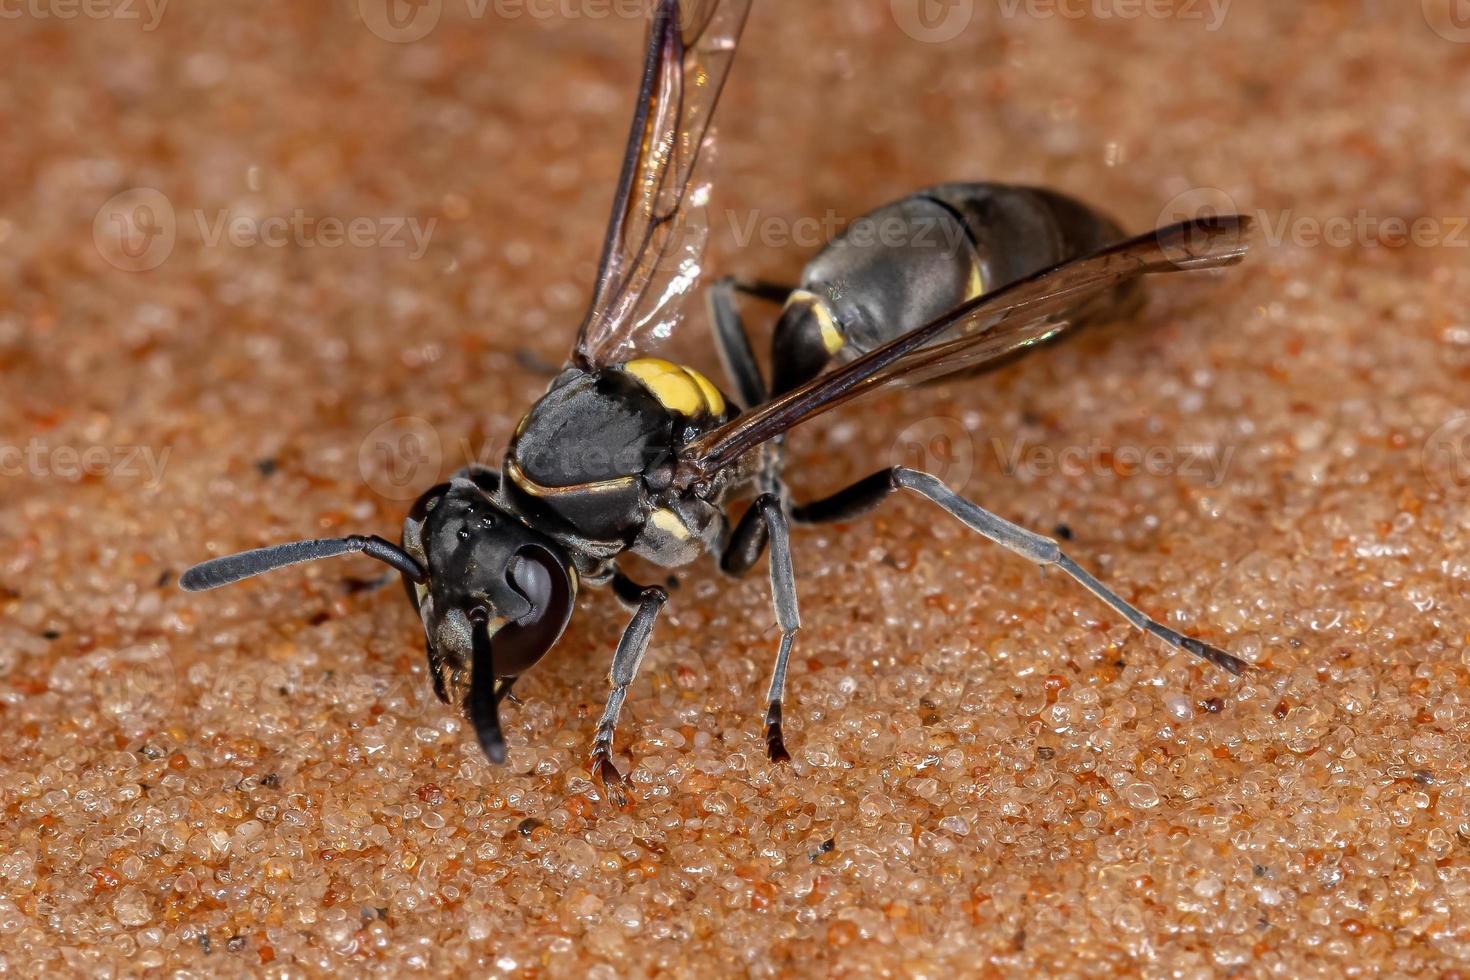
x,y
1022,315
656,236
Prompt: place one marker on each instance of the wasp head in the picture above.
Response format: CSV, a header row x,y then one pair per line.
x,y
493,594
496,597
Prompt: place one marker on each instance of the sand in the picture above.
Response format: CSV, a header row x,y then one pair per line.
x,y
991,774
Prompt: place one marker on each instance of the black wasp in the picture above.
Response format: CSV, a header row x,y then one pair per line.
x,y
628,453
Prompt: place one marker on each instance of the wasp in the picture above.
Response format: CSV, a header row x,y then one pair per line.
x,y
631,454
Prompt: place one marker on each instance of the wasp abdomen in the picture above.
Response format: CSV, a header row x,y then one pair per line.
x,y
899,267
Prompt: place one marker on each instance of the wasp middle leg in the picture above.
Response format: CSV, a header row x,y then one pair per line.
x,y
737,355
764,523
867,493
626,661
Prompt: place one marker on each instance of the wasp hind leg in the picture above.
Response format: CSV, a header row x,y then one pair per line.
x,y
733,341
626,661
765,523
868,493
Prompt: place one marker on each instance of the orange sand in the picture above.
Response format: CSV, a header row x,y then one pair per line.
x,y
992,774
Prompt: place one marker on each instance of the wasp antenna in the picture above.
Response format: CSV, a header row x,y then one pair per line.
x,y
233,568
483,704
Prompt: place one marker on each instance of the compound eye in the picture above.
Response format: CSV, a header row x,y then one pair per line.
x,y
542,578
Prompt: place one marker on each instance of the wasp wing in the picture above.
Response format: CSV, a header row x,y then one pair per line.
x,y
1026,313
656,236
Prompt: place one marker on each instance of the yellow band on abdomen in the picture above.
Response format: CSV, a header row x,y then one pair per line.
x,y
832,338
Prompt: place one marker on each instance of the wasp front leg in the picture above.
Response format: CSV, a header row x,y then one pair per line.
x,y
626,661
764,523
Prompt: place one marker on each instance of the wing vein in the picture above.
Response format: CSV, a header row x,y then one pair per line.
x,y
650,257
992,326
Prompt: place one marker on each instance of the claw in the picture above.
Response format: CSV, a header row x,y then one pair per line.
x,y
1214,655
607,774
775,742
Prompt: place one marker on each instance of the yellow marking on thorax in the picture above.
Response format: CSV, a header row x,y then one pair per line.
x,y
668,522
832,338
677,388
530,486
